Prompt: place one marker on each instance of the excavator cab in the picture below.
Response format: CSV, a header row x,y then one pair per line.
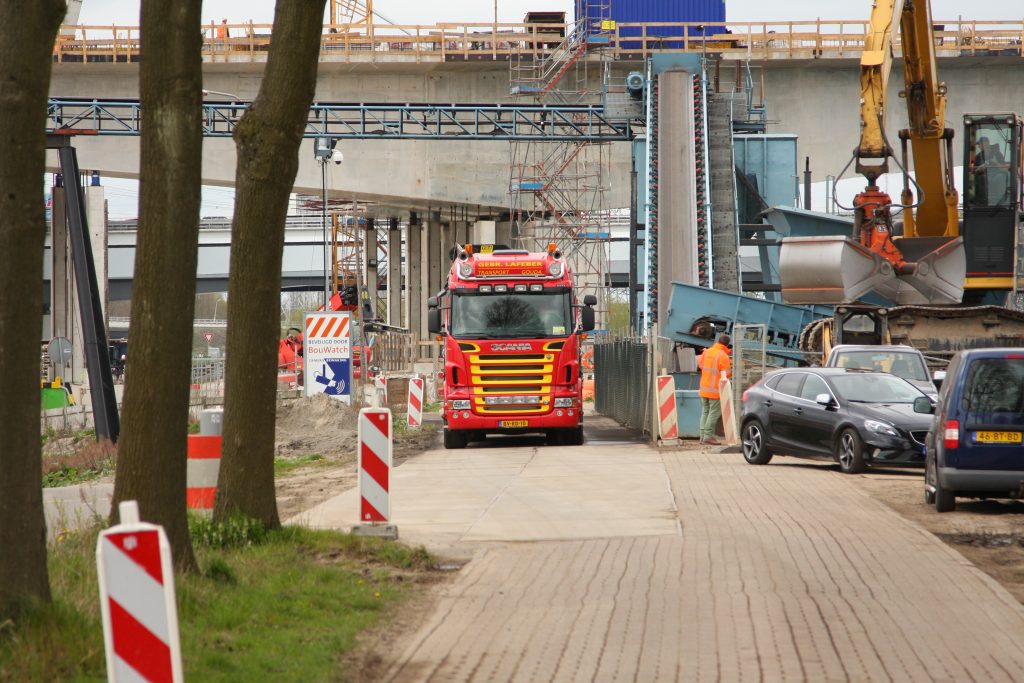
x,y
992,198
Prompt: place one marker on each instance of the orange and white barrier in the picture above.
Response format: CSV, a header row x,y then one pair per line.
x,y
140,617
668,417
374,465
203,468
414,413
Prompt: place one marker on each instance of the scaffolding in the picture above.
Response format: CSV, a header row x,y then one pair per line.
x,y
352,16
558,190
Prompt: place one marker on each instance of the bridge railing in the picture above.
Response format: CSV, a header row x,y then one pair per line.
x,y
458,42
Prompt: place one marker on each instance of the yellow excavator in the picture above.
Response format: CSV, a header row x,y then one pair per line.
x,y
931,257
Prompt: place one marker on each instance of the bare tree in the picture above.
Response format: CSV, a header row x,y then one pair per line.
x,y
267,138
151,453
27,32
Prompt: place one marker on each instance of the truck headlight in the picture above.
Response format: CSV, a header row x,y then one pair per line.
x,y
880,427
460,404
465,269
555,269
563,402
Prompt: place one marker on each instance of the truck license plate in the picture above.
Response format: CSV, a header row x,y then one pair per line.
x,y
514,423
998,437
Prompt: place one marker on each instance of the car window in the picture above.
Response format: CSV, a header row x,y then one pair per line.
x,y
875,388
813,386
905,364
773,380
789,383
993,385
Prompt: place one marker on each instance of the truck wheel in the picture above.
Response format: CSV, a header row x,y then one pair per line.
x,y
553,437
454,439
573,437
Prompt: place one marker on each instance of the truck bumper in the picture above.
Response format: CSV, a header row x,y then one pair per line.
x,y
513,424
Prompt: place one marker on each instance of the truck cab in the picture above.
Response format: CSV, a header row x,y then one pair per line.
x,y
510,328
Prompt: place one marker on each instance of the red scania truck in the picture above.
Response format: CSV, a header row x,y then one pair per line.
x,y
510,343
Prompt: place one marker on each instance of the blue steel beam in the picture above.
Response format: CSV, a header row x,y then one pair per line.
x,y
538,123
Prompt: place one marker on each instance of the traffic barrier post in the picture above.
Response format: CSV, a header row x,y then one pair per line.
x,y
140,617
414,413
668,417
203,465
375,445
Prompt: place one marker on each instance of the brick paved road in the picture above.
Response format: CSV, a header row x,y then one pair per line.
x,y
782,573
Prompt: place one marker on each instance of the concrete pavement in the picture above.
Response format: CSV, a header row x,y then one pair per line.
x,y
69,508
781,573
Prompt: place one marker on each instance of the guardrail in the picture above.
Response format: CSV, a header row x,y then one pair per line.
x,y
464,42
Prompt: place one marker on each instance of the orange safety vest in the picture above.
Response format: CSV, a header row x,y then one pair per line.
x,y
713,363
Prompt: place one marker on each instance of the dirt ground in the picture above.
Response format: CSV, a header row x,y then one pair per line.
x,y
325,427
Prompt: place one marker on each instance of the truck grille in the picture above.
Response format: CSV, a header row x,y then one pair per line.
x,y
512,374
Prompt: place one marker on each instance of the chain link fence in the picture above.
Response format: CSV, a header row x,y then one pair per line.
x,y
749,359
622,382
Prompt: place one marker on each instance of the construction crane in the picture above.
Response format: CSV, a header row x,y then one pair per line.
x,y
923,260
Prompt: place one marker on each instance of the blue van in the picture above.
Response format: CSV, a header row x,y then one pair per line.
x,y
974,448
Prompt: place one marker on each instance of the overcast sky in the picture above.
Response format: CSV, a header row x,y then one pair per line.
x,y
126,12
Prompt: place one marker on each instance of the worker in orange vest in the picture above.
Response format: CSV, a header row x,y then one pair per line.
x,y
222,30
714,364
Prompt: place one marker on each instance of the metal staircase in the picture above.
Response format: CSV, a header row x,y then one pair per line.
x,y
557,190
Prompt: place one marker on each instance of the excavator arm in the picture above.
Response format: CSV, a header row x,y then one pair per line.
x,y
926,264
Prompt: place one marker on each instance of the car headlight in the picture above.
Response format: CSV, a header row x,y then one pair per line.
x,y
563,402
461,404
880,427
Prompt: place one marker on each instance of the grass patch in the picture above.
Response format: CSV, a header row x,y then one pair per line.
x,y
286,465
287,608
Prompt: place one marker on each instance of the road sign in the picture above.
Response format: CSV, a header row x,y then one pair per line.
x,y
327,348
375,473
208,336
140,618
59,349
668,419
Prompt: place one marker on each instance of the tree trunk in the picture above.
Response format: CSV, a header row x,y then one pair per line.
x,y
27,33
152,448
267,138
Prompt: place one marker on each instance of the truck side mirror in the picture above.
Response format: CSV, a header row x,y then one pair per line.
x,y
587,318
434,320
432,302
589,300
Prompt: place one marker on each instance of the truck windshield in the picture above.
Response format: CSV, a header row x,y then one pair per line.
x,y
511,316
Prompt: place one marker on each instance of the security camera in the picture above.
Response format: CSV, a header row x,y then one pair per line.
x,y
337,157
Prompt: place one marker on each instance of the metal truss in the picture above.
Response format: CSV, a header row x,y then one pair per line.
x,y
513,122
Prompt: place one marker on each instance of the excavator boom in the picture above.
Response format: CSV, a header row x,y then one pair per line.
x,y
904,268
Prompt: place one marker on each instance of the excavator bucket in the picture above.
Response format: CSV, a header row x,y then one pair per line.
x,y
837,270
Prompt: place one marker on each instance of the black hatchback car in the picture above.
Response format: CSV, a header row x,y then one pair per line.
x,y
858,418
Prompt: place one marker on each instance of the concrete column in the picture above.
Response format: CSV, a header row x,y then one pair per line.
x,y
414,286
394,273
503,233
96,215
448,232
483,232
433,254
370,262
463,230
60,263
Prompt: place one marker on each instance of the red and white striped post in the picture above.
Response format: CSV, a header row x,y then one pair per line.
x,y
668,418
414,413
140,618
375,440
202,471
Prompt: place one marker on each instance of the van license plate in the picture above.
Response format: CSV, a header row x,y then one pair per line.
x,y
998,437
514,423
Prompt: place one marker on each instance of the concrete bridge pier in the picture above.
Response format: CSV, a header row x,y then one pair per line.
x,y
395,284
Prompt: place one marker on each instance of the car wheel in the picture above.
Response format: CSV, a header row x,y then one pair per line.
x,y
454,440
755,450
850,452
929,480
575,436
945,501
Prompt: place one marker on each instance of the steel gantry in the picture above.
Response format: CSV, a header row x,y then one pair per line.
x,y
383,121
